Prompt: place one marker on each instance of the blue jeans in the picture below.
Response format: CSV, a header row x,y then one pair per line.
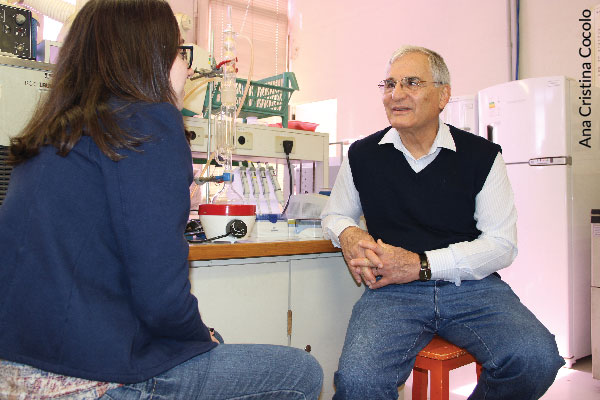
x,y
233,371
390,325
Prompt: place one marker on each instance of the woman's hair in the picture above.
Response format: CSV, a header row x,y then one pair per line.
x,y
121,49
439,70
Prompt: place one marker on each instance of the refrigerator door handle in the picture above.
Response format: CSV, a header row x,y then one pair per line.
x,y
547,161
490,133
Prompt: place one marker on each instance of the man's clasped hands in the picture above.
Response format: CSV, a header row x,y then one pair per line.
x,y
376,263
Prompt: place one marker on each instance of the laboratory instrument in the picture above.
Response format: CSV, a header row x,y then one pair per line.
x,y
265,188
255,187
22,82
216,218
227,194
18,33
225,123
276,187
245,185
264,143
227,222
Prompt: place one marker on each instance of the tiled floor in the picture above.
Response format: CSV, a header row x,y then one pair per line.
x,y
570,384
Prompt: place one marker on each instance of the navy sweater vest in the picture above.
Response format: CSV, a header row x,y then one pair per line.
x,y
427,210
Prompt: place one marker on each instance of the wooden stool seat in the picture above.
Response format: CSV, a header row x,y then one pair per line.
x,y
438,357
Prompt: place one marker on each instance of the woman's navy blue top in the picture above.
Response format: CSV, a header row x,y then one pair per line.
x,y
93,260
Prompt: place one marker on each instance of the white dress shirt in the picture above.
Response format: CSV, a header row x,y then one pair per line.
x,y
495,216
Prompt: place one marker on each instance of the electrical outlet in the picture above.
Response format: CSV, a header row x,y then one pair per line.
x,y
197,135
244,140
279,144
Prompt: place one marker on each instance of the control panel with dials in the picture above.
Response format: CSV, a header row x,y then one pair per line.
x,y
16,36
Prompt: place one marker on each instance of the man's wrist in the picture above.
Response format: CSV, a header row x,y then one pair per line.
x,y
348,231
425,268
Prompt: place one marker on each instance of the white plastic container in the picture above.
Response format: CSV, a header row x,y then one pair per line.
x,y
216,219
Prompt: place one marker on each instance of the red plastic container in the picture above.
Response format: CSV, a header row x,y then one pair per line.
x,y
227,209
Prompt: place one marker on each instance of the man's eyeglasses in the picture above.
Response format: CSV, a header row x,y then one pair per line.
x,y
187,54
410,83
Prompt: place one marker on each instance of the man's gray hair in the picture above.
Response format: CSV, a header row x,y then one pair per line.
x,y
439,70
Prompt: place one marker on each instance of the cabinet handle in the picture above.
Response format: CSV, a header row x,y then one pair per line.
x,y
307,348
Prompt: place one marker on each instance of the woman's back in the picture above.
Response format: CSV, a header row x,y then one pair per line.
x,y
81,295
93,260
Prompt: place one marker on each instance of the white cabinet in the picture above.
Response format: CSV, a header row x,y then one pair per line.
x,y
247,301
244,302
322,296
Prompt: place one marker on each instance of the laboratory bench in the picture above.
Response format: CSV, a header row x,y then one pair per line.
x,y
220,251
292,293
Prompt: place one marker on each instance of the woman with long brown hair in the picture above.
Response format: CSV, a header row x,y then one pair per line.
x,y
94,293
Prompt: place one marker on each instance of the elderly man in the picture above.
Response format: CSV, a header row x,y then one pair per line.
x,y
441,221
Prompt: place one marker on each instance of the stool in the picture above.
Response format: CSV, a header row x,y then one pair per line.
x,y
439,357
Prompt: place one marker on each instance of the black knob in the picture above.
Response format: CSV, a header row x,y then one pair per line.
x,y
192,135
241,140
308,348
236,228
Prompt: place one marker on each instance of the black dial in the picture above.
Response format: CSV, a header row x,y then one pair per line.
x,y
237,228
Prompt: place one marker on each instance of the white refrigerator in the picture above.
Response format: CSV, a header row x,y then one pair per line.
x,y
461,112
549,131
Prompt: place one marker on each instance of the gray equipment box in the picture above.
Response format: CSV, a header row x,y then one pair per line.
x,y
22,83
18,31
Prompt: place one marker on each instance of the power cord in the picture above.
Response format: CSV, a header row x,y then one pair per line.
x,y
236,228
288,145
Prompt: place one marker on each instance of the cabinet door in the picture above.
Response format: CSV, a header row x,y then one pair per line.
x,y
321,299
246,303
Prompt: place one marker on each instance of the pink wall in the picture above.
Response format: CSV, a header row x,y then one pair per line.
x,y
197,10
339,48
340,51
551,35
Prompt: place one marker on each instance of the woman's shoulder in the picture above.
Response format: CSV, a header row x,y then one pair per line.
x,y
154,107
149,119
152,111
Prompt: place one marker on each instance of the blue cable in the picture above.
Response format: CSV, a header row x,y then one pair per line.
x,y
518,42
